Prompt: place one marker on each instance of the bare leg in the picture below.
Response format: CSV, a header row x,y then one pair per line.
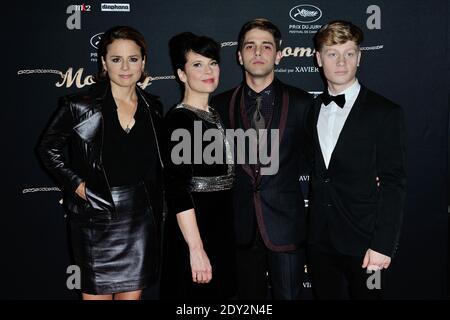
x,y
87,296
130,295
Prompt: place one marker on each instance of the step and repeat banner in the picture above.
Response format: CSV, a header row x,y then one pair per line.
x,y
51,51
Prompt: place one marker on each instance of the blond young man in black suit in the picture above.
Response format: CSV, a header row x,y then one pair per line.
x,y
358,179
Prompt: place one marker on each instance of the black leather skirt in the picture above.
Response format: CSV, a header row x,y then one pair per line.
x,y
117,255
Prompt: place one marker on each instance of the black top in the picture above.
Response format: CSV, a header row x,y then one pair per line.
x,y
179,175
128,158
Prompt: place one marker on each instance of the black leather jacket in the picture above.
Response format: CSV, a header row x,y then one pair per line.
x,y
78,123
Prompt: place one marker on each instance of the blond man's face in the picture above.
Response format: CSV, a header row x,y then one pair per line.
x,y
340,63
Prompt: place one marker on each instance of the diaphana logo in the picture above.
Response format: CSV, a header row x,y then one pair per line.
x,y
121,7
213,153
305,13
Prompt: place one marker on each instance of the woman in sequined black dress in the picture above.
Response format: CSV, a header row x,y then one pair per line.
x,y
199,241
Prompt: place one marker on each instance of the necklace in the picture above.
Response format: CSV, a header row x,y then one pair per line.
x,y
210,116
128,129
201,109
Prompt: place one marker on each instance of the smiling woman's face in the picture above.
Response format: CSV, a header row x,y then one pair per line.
x,y
200,74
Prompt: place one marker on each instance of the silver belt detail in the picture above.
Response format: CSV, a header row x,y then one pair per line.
x,y
210,184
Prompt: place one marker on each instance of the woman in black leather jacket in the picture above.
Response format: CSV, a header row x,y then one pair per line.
x,y
111,181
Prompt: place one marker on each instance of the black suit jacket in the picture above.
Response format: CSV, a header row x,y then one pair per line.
x,y
349,212
274,203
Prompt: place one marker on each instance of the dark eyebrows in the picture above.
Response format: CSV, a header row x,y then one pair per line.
x,y
264,42
132,56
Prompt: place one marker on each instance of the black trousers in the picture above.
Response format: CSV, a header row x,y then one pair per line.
x,y
263,273
336,277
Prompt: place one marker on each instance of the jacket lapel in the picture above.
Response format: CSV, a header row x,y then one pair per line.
x,y
349,126
90,123
234,111
278,121
279,118
317,106
88,128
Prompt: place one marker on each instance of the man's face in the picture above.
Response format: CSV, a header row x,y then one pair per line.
x,y
258,54
339,63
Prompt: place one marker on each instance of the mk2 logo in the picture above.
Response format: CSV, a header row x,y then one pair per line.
x,y
74,19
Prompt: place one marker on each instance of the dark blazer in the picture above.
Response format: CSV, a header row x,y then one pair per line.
x,y
273,202
349,212
78,124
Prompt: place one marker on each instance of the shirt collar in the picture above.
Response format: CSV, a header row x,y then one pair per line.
x,y
351,92
266,92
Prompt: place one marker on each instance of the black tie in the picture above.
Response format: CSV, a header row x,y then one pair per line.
x,y
339,99
258,121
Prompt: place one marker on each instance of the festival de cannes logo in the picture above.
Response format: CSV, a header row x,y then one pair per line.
x,y
305,13
95,40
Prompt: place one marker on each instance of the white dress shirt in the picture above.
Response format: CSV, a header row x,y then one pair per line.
x,y
332,119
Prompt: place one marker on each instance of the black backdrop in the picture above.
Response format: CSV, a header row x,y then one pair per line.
x,y
405,58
